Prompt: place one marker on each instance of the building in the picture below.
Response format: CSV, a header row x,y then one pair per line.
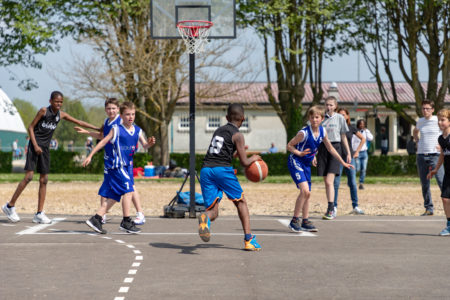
x,y
11,124
262,125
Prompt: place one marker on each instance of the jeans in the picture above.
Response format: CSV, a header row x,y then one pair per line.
x,y
361,165
351,182
425,163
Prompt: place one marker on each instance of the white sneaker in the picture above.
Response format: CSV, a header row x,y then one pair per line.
x,y
41,219
140,219
11,213
357,211
334,212
104,219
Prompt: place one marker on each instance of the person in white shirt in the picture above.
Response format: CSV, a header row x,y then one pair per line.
x,y
363,157
426,136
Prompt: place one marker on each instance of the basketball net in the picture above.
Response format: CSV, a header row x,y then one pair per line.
x,y
194,34
382,117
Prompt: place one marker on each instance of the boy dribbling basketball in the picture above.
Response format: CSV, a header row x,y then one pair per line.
x,y
217,176
444,157
303,148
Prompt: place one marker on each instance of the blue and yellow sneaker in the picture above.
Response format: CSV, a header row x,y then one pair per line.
x,y
252,244
203,227
445,231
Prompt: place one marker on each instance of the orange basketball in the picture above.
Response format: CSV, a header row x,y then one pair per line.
x,y
257,171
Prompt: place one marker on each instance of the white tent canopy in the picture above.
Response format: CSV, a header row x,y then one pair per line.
x,y
10,119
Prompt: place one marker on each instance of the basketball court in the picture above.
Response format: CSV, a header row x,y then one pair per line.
x,y
350,257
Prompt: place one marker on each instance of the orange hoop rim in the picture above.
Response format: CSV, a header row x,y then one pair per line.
x,y
183,24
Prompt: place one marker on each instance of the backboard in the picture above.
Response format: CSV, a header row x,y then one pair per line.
x,y
165,14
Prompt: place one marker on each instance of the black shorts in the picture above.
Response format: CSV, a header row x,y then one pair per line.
x,y
327,163
445,192
42,161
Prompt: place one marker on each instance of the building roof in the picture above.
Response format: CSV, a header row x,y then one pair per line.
x,y
253,93
10,119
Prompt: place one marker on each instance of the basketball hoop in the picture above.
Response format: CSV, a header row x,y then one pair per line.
x,y
194,34
382,117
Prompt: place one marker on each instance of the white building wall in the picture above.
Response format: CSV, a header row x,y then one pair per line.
x,y
264,128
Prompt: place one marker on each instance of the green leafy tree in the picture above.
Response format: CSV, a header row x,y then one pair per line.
x,y
393,34
65,132
26,110
303,35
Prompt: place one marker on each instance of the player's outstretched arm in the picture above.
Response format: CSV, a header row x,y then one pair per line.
x,y
361,143
33,124
333,152
68,117
294,141
344,142
239,141
97,147
95,134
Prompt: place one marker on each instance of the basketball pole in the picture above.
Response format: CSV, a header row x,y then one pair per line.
x,y
192,134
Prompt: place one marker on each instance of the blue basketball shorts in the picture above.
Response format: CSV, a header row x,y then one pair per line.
x,y
116,183
216,180
300,172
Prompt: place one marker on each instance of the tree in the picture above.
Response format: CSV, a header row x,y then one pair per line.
x,y
304,34
136,68
64,131
29,28
393,34
26,110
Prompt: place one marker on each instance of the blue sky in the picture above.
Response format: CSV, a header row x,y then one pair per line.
x,y
343,68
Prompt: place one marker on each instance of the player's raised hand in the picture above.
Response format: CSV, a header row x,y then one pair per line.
x,y
81,130
86,162
151,141
255,157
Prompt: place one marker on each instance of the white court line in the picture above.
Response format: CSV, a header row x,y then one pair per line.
x,y
120,241
302,233
293,234
136,264
9,225
130,246
139,258
124,289
132,272
137,251
128,280
119,298
35,229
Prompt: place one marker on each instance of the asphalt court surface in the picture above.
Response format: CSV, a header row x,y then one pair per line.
x,y
352,257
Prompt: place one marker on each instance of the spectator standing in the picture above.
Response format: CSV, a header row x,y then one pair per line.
x,y
363,157
88,145
273,149
384,141
54,144
70,146
14,149
426,136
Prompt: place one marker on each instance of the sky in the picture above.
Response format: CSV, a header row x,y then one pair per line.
x,y
343,68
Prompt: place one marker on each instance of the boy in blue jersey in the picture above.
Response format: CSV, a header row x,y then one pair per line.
x,y
303,148
113,118
124,137
217,176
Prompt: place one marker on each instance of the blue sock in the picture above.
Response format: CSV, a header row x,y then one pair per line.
x,y
8,206
248,237
448,222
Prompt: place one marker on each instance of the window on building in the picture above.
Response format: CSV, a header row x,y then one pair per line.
x,y
184,123
213,122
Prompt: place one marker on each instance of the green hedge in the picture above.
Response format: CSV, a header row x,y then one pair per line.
x,y
65,162
5,162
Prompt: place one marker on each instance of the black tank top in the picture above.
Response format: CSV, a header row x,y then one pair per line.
x,y
43,131
221,148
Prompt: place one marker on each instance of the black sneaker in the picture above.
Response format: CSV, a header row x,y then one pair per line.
x,y
295,226
129,227
361,186
96,225
308,226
